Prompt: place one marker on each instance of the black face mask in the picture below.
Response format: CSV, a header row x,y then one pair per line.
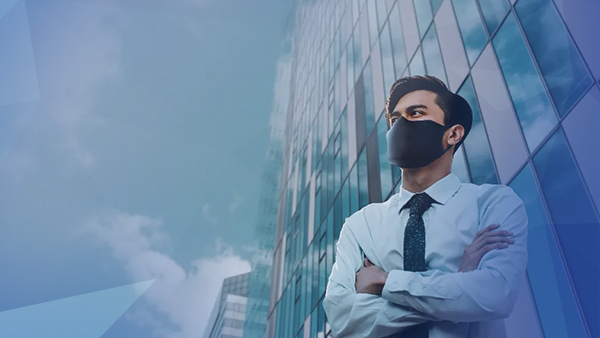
x,y
415,144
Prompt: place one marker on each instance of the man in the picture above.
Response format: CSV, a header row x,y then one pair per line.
x,y
440,258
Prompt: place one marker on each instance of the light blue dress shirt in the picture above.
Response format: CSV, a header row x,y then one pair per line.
x,y
466,305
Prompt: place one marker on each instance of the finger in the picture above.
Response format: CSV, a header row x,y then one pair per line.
x,y
500,239
500,233
368,262
484,239
487,229
489,247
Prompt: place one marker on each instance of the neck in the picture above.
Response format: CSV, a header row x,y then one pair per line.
x,y
419,179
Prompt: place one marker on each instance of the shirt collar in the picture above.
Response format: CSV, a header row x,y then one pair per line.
x,y
441,191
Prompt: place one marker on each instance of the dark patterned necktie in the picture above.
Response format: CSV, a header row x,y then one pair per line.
x,y
414,250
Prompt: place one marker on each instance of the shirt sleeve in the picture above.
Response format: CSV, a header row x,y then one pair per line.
x,y
352,314
487,293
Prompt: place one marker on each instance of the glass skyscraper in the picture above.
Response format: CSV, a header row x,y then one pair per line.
x,y
262,260
529,69
229,313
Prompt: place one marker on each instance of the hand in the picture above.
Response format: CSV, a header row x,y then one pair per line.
x,y
485,241
370,279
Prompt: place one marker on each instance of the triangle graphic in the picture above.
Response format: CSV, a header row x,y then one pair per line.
x,y
6,5
83,316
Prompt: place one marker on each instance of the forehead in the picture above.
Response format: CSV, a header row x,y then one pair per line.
x,y
418,97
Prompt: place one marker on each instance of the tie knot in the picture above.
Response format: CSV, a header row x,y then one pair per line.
x,y
419,203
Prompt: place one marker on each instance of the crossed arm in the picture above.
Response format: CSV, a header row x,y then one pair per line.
x,y
352,314
411,298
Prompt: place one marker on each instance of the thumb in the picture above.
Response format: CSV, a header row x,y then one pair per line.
x,y
368,262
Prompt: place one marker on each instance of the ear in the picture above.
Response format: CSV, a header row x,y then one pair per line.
x,y
455,134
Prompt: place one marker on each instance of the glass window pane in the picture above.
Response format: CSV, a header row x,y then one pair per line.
x,y
493,12
409,27
382,12
373,31
477,146
350,78
471,27
369,108
424,15
397,42
387,59
575,222
581,123
436,5
564,71
417,66
502,126
459,166
547,275
536,116
433,56
385,168
354,189
357,55
363,179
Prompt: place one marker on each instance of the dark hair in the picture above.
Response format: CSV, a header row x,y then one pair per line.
x,y
456,109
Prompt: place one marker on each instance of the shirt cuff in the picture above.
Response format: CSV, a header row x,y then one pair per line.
x,y
397,280
401,284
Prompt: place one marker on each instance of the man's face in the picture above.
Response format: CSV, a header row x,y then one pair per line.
x,y
418,106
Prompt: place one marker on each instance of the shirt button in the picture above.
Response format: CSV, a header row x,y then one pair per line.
x,y
394,285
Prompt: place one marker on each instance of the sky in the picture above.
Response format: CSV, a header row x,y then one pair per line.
x,y
132,137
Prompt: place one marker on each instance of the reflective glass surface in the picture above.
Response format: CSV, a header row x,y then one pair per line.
x,y
564,71
424,15
459,166
373,30
397,42
532,105
493,12
471,27
435,4
433,56
387,58
575,221
477,146
385,168
417,66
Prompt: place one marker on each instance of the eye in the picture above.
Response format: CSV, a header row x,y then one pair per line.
x,y
416,113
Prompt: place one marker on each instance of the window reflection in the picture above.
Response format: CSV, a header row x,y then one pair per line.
x,y
387,59
564,71
433,56
424,15
372,12
529,97
417,66
471,27
363,179
575,221
369,107
545,270
397,42
459,167
493,12
385,168
477,146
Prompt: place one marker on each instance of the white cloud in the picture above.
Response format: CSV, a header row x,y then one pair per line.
x,y
184,297
208,216
236,202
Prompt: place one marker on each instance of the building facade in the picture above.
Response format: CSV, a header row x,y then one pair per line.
x,y
268,204
529,69
228,316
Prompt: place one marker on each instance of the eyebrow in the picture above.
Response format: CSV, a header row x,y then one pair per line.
x,y
409,109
